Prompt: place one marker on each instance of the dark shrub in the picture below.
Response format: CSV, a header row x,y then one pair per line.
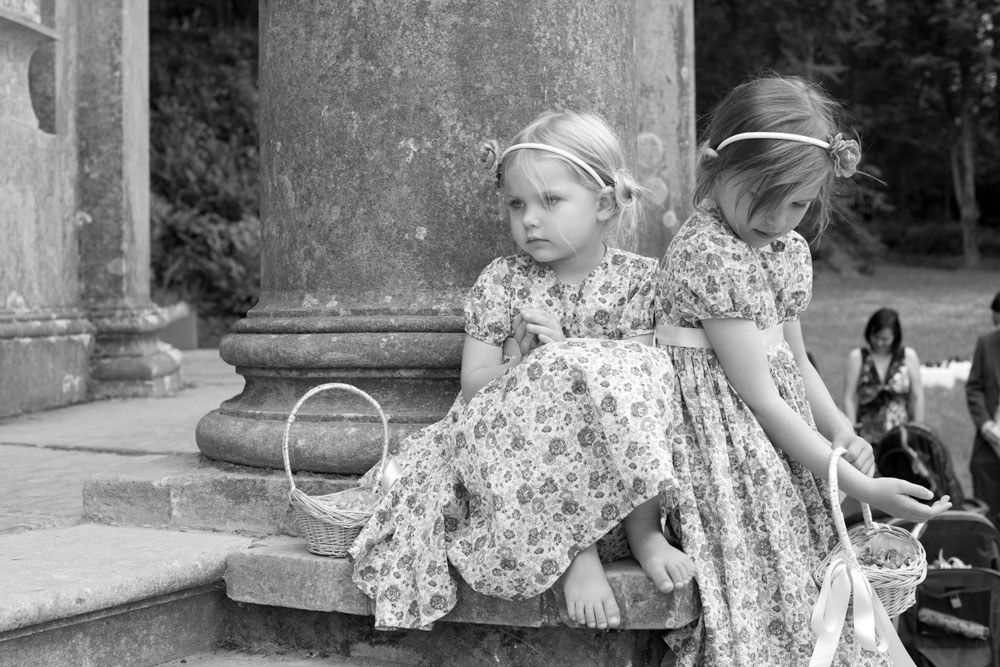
x,y
205,226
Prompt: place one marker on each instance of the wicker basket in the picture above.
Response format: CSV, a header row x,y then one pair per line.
x,y
895,587
330,530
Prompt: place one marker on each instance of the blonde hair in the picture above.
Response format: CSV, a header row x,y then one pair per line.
x,y
589,137
777,167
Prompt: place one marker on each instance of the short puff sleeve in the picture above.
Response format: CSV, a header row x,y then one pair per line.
x,y
488,315
710,275
637,313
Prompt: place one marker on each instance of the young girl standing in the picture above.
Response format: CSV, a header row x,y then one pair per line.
x,y
752,509
560,434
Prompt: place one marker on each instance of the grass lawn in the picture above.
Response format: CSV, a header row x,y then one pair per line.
x,y
941,311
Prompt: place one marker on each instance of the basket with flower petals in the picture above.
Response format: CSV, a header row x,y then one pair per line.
x,y
892,559
330,523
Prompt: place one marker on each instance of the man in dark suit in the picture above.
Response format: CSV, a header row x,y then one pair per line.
x,y
982,392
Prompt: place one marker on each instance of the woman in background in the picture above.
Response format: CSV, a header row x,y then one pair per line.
x,y
882,387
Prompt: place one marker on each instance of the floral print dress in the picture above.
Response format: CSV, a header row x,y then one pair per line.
x,y
545,460
755,522
882,405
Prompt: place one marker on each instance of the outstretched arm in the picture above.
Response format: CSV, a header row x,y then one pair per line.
x,y
831,422
741,352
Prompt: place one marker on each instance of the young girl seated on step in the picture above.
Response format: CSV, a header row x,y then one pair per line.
x,y
558,444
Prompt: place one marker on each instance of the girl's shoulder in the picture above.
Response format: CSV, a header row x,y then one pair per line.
x,y
704,234
707,224
792,242
628,261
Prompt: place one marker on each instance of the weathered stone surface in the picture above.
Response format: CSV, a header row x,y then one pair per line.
x,y
145,632
664,70
113,118
283,573
55,574
191,493
44,339
42,372
27,9
353,640
376,216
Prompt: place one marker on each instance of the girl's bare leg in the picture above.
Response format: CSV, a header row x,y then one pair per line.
x,y
589,599
665,564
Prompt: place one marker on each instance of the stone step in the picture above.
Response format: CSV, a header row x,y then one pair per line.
x,y
279,584
238,658
97,595
190,492
93,595
284,631
281,572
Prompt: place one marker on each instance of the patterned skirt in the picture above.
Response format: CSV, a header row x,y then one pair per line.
x,y
543,462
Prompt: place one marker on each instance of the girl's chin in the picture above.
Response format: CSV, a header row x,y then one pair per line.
x,y
758,242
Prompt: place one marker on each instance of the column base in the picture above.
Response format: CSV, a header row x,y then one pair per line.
x,y
414,376
43,360
129,360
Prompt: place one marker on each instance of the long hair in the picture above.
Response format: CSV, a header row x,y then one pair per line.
x,y
589,137
885,318
775,167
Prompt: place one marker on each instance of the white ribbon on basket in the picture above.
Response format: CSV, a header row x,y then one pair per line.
x,y
873,628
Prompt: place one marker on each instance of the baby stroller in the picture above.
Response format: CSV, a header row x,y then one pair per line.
x,y
956,618
913,452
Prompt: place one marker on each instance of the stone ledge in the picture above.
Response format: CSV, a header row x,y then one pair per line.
x,y
280,572
190,492
56,574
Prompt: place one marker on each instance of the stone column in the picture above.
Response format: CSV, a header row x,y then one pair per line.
x,y
113,123
376,219
664,57
45,338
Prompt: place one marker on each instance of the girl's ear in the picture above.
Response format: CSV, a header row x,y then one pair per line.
x,y
606,203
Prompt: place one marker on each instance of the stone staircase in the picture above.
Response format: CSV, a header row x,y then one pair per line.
x,y
180,558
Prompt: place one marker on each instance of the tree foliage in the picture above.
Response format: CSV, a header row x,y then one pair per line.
x,y
919,77
204,160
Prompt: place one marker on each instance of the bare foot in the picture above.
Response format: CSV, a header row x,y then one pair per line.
x,y
589,599
666,565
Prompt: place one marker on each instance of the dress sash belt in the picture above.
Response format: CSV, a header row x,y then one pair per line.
x,y
692,337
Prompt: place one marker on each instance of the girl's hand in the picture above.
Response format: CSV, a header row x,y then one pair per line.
x,y
525,341
898,498
859,452
512,351
534,327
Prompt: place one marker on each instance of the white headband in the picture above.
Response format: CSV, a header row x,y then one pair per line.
x,y
558,151
845,153
774,135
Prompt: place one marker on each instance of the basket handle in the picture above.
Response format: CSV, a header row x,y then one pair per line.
x,y
321,388
838,513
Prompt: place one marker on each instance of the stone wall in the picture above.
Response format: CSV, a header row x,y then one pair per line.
x,y
76,322
45,338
